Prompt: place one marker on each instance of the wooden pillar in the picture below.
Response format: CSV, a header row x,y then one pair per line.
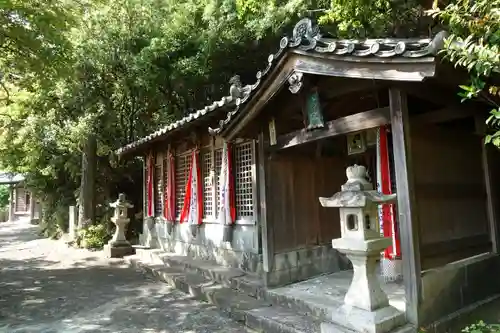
x,y
265,228
407,217
489,181
144,196
491,194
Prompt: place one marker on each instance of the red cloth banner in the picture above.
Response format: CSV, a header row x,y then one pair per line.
x,y
192,210
227,207
388,210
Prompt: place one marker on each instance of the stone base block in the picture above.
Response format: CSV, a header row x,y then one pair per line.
x,y
118,251
383,320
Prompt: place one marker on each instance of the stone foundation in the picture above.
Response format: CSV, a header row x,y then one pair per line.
x,y
208,244
299,265
246,261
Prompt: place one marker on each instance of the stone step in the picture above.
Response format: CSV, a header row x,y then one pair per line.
x,y
229,277
408,328
276,319
271,312
232,302
309,306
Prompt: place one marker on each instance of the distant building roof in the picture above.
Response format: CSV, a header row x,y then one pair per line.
x,y
10,178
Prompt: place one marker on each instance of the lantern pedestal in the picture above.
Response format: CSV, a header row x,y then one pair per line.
x,y
118,251
119,246
365,291
366,306
386,319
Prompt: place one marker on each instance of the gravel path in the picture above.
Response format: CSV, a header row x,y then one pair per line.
x,y
47,287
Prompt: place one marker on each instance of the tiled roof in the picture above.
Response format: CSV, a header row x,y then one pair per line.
x,y
305,37
10,178
226,100
308,38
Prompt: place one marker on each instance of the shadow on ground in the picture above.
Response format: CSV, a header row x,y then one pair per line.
x,y
94,295
16,234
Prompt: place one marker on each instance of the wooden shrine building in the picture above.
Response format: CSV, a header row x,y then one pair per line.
x,y
319,106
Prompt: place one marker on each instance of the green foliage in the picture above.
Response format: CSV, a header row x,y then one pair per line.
x,y
374,18
55,217
482,327
34,40
4,196
128,70
474,44
93,237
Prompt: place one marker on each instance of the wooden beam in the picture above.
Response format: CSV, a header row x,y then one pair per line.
x,y
454,245
265,228
332,87
431,92
389,69
407,217
443,115
353,123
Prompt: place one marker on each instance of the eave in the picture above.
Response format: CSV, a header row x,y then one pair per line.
x,y
296,61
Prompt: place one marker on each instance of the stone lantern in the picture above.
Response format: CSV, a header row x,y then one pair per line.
x,y
119,246
366,306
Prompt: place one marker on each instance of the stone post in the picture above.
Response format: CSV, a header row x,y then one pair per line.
x,y
119,246
73,222
366,306
32,208
11,204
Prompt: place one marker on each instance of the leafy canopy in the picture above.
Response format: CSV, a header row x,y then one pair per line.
x,y
120,69
33,37
474,44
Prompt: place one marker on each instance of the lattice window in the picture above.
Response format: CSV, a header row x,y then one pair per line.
x,y
218,168
206,170
158,203
182,164
243,159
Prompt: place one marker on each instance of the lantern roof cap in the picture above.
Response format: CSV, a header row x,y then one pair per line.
x,y
121,202
357,192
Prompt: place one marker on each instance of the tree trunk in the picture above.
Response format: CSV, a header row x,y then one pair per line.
x,y
86,213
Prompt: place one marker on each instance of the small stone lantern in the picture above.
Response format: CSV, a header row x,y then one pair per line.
x,y
366,306
119,246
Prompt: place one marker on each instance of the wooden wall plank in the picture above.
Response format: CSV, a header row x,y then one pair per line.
x,y
298,219
449,184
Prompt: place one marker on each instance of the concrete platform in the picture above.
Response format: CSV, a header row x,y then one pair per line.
x,y
323,295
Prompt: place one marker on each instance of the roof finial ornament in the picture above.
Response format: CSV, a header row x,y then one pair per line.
x,y
437,43
304,30
237,90
295,82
